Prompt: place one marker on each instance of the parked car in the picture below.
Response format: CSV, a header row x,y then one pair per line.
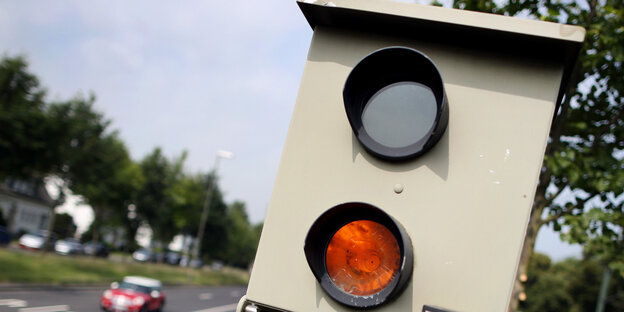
x,y
158,257
173,258
187,261
143,255
98,249
134,293
35,241
217,265
5,236
68,246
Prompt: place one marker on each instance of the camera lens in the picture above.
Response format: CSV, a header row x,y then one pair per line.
x,y
395,102
400,114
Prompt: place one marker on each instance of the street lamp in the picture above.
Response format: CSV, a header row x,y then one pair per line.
x,y
209,194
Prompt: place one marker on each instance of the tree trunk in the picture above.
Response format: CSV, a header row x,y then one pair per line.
x,y
95,226
48,239
131,230
535,223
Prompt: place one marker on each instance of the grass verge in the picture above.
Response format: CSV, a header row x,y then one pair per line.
x,y
19,266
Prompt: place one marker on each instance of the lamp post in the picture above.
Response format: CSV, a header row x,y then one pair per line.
x,y
209,194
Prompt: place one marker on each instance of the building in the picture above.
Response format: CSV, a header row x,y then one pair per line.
x,y
25,205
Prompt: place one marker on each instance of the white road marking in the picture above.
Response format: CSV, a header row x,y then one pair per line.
x,y
205,296
13,303
225,308
56,308
235,293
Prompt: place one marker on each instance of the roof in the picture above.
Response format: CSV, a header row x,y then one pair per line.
x,y
460,28
142,281
26,189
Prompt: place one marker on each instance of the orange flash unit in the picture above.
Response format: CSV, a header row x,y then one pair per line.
x,y
363,257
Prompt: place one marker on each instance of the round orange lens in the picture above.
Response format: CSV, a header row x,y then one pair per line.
x,y
363,257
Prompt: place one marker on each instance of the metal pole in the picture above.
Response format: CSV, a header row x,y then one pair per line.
x,y
204,216
604,286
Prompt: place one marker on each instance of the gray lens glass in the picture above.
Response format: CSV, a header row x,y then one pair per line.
x,y
400,114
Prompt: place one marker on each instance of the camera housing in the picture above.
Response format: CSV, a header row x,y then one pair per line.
x,y
455,187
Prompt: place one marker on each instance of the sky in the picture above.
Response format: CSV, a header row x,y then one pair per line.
x,y
195,76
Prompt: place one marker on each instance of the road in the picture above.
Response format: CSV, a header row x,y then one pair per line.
x,y
179,299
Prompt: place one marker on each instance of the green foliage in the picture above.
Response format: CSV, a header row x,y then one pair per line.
x,y
188,196
477,5
64,225
67,139
25,127
228,237
216,235
73,141
111,181
587,139
96,163
570,285
171,201
243,238
593,136
155,199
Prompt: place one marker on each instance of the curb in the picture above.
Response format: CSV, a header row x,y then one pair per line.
x,y
29,287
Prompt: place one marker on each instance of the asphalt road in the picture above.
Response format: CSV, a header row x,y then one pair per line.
x,y
179,299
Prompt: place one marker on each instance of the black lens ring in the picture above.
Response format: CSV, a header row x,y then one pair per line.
x,y
381,69
328,224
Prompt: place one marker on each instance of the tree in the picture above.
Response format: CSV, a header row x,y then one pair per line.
x,y
569,285
546,288
129,182
228,236
64,225
242,237
155,199
25,128
39,139
68,139
216,237
95,162
100,169
29,141
188,196
583,159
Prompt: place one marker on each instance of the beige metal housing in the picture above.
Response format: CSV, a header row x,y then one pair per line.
x,y
465,204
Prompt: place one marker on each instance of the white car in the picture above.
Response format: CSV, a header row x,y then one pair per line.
x,y
143,255
32,241
68,247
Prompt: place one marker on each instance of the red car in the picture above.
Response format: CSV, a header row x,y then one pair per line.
x,y
133,294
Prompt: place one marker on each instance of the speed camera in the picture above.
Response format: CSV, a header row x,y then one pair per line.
x,y
411,161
